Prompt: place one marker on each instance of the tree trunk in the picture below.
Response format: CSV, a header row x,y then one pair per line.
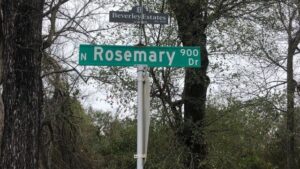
x,y
1,48
22,85
1,118
293,42
192,26
290,117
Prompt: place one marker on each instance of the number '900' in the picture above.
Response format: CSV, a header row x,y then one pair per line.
x,y
189,52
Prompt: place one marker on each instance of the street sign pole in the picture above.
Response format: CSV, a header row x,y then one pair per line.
x,y
142,75
141,70
146,114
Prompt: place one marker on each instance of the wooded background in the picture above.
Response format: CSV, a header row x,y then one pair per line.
x,y
240,110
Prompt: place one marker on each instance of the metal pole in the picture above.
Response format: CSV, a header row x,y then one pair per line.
x,y
140,118
140,125
146,112
141,23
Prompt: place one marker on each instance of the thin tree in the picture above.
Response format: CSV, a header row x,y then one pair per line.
x,y
284,23
288,13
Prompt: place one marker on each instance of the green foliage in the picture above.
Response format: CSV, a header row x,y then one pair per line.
x,y
164,152
240,135
117,143
68,134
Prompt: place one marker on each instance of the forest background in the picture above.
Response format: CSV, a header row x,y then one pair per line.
x,y
240,110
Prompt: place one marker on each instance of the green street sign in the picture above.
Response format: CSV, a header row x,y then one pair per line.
x,y
106,55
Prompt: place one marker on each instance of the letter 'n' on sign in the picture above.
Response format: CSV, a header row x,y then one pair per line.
x,y
83,56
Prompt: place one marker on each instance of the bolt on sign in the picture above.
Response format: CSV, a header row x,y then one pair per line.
x,y
106,55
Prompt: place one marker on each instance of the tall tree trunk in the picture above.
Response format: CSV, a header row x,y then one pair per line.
x,y
293,42
288,15
22,85
290,117
1,80
1,118
191,23
1,47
